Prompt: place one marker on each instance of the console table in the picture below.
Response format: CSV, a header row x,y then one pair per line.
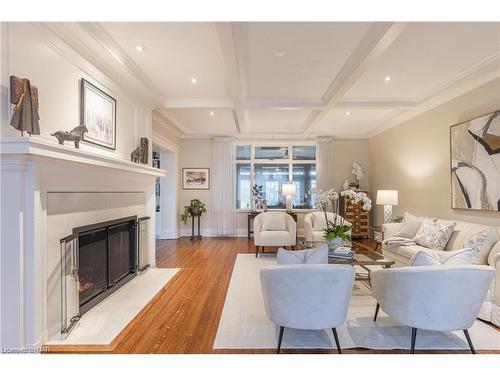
x,y
251,216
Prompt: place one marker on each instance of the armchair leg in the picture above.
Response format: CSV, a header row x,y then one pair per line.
x,y
466,332
336,340
256,251
280,339
413,338
376,312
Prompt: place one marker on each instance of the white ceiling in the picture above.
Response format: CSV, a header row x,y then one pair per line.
x,y
292,79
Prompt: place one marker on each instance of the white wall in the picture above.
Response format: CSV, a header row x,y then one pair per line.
x,y
197,153
414,158
58,82
168,197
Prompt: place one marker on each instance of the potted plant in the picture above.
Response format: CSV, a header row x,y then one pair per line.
x,y
195,208
336,235
358,172
258,195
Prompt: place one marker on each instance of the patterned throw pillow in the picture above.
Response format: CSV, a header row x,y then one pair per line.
x,y
447,258
481,243
434,235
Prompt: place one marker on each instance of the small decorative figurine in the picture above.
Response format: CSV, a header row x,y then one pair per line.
x,y
140,154
25,115
74,135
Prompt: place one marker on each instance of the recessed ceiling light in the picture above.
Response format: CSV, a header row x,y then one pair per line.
x,y
212,113
387,78
279,53
194,80
140,48
348,113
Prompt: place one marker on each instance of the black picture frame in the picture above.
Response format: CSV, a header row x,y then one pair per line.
x,y
84,86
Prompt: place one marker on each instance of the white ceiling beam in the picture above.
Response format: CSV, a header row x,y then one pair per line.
x,y
376,103
377,40
199,103
283,104
233,71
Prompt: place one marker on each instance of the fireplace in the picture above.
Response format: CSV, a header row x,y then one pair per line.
x,y
106,259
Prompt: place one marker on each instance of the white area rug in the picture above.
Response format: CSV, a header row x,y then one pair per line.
x,y
101,324
244,325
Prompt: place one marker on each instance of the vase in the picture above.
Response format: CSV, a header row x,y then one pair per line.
x,y
334,243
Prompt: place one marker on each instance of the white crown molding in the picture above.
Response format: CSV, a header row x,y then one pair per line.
x,y
168,124
283,104
199,103
163,142
375,103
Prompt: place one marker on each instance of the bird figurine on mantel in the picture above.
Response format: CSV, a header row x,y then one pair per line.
x,y
24,97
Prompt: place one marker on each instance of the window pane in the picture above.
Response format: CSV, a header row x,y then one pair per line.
x,y
243,152
271,177
271,153
304,153
243,186
304,177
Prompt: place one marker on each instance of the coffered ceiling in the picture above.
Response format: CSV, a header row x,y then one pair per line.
x,y
292,79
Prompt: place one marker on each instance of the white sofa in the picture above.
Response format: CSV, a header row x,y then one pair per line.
x,y
490,310
315,234
285,237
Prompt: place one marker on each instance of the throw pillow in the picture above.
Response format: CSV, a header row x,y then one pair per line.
x,y
274,221
481,243
317,255
434,235
319,221
448,258
409,226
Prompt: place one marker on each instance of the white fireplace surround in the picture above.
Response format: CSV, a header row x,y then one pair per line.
x,y
31,169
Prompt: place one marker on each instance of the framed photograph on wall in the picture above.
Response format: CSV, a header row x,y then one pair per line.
x,y
196,178
475,163
98,114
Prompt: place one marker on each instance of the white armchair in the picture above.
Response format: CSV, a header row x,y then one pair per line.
x,y
436,298
314,223
274,229
307,296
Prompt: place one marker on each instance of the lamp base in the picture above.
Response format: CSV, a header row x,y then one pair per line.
x,y
387,213
289,204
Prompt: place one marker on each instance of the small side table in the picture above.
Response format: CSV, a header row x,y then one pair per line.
x,y
252,214
193,236
376,234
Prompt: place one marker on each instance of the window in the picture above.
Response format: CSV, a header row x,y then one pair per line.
x,y
271,166
271,177
243,187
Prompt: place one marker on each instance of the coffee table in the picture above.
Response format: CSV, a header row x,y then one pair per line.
x,y
363,259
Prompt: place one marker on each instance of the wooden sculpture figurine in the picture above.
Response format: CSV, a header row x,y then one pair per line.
x,y
24,96
75,135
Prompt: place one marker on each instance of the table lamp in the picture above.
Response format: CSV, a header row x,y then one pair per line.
x,y
387,198
289,191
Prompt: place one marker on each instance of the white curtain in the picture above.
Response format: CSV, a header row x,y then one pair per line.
x,y
223,186
324,164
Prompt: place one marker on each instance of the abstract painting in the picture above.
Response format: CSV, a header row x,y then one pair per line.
x,y
196,178
98,114
475,163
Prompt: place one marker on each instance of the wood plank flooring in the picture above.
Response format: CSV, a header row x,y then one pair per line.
x,y
184,316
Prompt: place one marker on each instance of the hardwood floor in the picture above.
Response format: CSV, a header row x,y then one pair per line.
x,y
184,316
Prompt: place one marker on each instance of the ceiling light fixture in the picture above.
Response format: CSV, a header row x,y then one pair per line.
x,y
194,80
140,48
348,113
387,78
212,113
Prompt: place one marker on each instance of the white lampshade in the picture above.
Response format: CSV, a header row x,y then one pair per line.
x,y
389,197
288,189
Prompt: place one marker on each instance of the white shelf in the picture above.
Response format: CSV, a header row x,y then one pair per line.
x,y
40,147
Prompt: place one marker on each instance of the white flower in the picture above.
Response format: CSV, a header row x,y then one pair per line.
x,y
358,197
357,170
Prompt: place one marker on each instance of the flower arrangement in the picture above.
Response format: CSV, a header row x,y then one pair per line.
x,y
335,233
358,172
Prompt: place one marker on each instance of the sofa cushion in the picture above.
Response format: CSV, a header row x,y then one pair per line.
x,y
410,226
273,222
318,255
434,235
481,243
275,238
445,258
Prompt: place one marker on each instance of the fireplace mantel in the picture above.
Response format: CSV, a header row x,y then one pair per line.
x,y
40,147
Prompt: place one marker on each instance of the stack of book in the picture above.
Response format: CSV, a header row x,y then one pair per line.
x,y
342,253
